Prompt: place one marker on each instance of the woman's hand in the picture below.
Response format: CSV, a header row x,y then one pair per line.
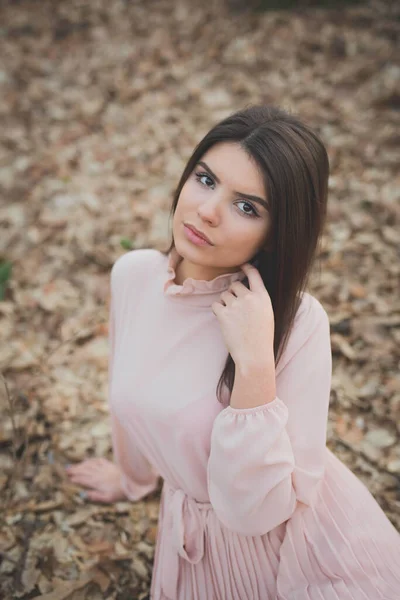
x,y
247,322
101,476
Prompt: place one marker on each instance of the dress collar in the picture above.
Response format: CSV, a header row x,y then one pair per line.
x,y
199,292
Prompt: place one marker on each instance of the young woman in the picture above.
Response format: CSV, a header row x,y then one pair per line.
x,y
220,377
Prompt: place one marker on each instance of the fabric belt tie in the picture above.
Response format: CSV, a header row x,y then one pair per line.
x,y
185,524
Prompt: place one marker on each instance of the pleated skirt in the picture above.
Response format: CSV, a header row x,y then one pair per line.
x,y
342,547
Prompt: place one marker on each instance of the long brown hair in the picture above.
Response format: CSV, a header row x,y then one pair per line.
x,y
295,168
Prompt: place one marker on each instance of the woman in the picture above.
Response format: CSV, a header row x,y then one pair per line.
x,y
254,506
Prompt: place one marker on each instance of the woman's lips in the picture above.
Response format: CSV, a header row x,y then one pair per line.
x,y
196,239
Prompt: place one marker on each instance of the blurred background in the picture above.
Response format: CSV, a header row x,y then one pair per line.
x,y
101,105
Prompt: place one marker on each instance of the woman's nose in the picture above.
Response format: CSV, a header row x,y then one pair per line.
x,y
210,210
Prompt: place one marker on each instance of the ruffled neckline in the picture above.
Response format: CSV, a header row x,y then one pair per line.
x,y
197,291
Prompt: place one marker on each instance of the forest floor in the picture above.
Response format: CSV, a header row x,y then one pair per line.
x,y
101,105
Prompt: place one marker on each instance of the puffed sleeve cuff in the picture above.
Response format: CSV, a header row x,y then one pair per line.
x,y
276,405
136,491
250,468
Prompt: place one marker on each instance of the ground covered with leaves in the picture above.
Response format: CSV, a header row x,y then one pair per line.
x,y
102,103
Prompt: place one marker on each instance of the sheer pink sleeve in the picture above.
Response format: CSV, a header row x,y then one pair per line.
x,y
266,459
138,475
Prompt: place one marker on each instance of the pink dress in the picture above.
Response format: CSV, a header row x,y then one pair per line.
x,y
254,505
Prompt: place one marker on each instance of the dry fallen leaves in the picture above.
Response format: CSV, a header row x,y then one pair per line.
x,y
102,104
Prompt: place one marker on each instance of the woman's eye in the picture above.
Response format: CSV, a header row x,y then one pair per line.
x,y
253,210
251,213
199,176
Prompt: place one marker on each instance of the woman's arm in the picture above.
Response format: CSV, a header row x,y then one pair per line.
x,y
138,477
265,459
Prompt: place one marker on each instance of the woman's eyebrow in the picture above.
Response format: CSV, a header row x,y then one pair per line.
x,y
261,201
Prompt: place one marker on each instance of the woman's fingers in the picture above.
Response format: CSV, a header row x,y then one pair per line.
x,y
87,480
82,470
101,476
92,477
87,465
97,496
89,474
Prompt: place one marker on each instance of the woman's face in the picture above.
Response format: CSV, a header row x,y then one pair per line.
x,y
214,201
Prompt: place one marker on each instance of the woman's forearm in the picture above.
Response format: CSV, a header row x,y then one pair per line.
x,y
254,384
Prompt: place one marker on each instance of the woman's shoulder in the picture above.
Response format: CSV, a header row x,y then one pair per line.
x,y
135,264
310,323
133,271
310,312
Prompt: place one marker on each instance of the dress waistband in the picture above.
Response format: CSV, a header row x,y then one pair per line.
x,y
185,524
